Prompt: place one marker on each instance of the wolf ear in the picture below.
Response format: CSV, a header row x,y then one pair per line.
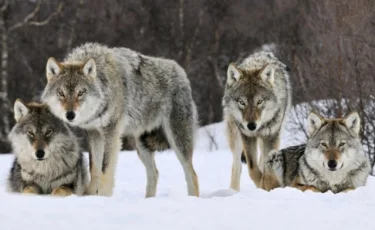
x,y
20,110
53,68
89,68
267,74
233,74
314,122
353,122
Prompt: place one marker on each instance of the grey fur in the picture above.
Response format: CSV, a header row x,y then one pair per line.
x,y
253,96
306,165
131,94
63,164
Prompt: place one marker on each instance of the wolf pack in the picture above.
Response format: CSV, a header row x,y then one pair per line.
x,y
113,93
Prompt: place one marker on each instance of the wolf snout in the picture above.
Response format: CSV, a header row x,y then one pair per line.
x,y
70,115
332,164
40,154
252,126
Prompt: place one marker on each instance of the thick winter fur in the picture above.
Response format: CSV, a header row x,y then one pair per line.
x,y
332,160
256,101
48,160
116,91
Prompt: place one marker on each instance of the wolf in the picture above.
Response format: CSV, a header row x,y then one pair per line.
x,y
47,156
256,101
333,159
114,92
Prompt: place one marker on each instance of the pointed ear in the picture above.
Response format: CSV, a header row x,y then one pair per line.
x,y
353,122
233,74
20,110
89,68
53,68
267,74
314,122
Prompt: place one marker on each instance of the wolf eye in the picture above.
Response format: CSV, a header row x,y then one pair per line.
x,y
259,102
49,132
341,144
30,133
61,94
324,144
80,93
241,102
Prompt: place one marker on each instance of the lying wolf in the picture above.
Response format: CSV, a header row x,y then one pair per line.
x,y
332,160
48,160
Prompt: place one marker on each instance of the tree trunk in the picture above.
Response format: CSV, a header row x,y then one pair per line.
x,y
4,77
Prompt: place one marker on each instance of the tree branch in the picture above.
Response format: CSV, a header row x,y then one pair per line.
x,y
26,20
5,6
50,17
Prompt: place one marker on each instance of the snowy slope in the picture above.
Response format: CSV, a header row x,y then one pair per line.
x,y
219,208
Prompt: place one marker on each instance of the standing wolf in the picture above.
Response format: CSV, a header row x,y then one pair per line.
x,y
48,160
116,91
333,159
256,100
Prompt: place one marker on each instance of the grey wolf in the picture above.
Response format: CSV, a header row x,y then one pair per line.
x,y
256,101
48,160
333,159
114,92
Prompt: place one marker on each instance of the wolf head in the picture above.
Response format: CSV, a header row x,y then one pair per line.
x,y
333,144
38,133
249,96
72,91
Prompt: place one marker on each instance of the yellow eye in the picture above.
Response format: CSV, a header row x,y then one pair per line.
x,y
80,93
241,102
30,133
259,102
324,144
49,132
61,94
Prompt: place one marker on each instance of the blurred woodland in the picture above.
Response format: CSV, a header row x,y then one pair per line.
x,y
328,45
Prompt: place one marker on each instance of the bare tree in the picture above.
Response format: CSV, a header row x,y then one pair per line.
x,y
6,31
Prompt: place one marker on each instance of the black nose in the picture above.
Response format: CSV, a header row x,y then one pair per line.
x,y
70,115
332,164
252,126
39,154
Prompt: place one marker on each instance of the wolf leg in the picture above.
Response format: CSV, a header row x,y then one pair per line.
x,y
250,150
267,144
148,159
62,191
234,139
112,146
179,131
304,187
96,143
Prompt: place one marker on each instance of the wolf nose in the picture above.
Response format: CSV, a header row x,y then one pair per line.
x,y
39,154
70,115
332,164
252,126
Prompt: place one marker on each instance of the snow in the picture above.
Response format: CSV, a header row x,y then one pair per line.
x,y
218,207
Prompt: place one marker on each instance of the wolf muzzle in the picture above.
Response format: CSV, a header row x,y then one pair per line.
x,y
70,115
39,154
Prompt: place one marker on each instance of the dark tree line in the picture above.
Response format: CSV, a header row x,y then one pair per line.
x,y
329,45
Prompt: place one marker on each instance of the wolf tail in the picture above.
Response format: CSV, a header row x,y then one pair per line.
x,y
271,176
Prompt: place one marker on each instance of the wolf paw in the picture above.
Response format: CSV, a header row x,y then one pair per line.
x,y
30,190
62,191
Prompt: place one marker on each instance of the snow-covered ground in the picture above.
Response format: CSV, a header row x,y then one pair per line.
x,y
218,208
